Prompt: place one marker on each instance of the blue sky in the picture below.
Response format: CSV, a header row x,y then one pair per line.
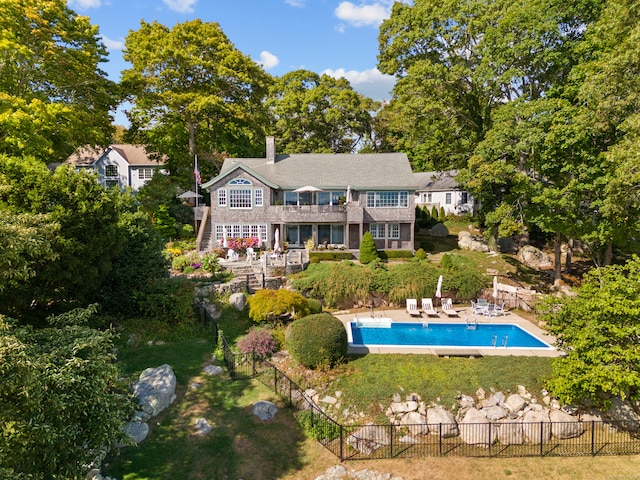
x,y
339,38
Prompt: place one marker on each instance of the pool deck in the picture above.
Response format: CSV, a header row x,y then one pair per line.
x,y
464,313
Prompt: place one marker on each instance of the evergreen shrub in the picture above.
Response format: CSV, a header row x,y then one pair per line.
x,y
267,305
317,340
420,254
368,250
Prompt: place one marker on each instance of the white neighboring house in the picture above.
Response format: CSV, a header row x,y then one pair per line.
x,y
119,165
440,189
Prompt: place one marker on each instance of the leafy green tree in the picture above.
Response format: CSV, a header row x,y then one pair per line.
x,y
63,400
193,93
318,113
457,61
598,329
53,95
368,250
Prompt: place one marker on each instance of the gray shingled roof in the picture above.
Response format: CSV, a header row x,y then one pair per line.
x,y
86,156
436,181
327,171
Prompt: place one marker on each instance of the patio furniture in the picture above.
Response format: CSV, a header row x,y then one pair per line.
x,y
447,308
232,256
428,308
251,254
412,307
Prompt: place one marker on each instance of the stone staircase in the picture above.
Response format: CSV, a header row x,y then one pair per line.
x,y
251,273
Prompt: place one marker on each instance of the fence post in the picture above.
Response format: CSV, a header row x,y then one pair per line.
x,y
341,443
275,379
541,438
490,439
390,440
593,438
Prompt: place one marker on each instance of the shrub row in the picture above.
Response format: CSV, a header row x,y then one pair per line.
x,y
315,257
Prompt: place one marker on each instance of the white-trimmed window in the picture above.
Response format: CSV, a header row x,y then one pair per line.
x,y
110,170
222,197
241,230
387,199
258,197
464,198
145,173
394,231
447,198
240,197
377,230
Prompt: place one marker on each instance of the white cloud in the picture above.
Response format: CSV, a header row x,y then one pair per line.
x,y
84,4
180,6
363,15
370,83
268,60
295,3
112,44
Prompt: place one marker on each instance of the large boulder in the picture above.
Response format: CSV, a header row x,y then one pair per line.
x,y
509,432
466,241
442,422
369,438
536,425
476,429
136,431
415,422
238,301
534,258
155,389
564,425
622,415
515,403
264,410
439,230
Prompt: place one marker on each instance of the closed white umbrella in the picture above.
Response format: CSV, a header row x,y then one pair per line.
x,y
225,244
495,286
439,287
276,240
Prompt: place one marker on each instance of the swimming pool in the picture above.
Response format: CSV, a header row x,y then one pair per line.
x,y
415,334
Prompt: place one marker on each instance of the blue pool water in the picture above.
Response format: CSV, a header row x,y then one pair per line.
x,y
485,335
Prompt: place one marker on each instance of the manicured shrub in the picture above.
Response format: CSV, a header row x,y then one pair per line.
x,y
446,262
434,212
269,305
315,305
426,214
442,216
259,341
368,250
389,254
420,254
317,340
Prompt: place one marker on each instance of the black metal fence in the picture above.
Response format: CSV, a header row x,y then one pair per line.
x,y
386,441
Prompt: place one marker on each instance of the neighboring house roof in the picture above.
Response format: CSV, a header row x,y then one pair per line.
x,y
87,155
436,181
376,171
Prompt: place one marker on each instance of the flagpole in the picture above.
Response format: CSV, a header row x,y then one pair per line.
x,y
195,174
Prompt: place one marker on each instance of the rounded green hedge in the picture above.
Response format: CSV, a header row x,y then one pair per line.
x,y
317,340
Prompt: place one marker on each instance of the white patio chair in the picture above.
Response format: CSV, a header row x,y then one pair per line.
x,y
251,254
232,256
447,308
412,307
428,308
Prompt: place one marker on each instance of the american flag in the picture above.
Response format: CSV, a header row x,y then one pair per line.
x,y
196,172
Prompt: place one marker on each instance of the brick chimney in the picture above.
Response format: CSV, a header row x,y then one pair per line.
x,y
271,150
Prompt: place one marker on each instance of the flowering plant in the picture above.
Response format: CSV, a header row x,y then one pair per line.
x,y
240,245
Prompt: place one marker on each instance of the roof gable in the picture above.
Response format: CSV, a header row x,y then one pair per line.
x,y
87,155
437,181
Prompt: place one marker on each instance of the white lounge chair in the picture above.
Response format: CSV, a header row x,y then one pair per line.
x,y
412,307
232,256
251,254
447,308
427,307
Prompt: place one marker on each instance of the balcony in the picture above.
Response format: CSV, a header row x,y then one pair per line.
x,y
312,213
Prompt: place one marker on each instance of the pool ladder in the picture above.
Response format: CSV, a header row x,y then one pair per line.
x,y
472,323
505,340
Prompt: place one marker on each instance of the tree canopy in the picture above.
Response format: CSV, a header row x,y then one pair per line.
x,y
319,114
599,330
50,76
193,93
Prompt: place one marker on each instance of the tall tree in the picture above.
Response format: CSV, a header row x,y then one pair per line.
x,y
53,95
598,329
457,61
193,93
318,113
